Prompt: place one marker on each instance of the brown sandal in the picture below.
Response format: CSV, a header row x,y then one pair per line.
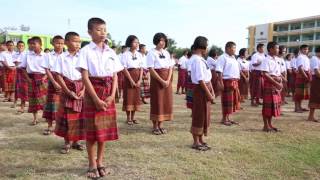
x,y
156,132
102,171
65,149
93,171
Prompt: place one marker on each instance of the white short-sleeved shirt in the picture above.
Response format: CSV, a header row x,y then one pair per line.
x,y
144,61
99,62
32,62
189,63
228,66
271,65
303,61
183,62
212,63
288,65
314,64
132,60
282,65
244,64
8,58
51,58
159,60
65,65
293,63
17,57
200,71
256,58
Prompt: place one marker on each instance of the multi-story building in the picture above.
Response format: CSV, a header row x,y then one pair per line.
x,y
291,33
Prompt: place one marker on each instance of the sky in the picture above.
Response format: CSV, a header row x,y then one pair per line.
x,y
182,20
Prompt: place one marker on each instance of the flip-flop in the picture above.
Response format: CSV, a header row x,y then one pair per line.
x,y
93,171
199,147
102,168
156,132
226,123
130,123
233,122
163,131
135,122
78,147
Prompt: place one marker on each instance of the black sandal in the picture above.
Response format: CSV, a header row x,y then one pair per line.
x,y
78,146
156,132
163,131
93,171
102,168
130,123
135,122
199,147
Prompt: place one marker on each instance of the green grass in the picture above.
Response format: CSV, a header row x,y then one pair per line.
x,y
238,152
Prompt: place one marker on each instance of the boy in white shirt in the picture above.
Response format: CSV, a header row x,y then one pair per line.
x,y
272,88
228,70
303,78
212,63
244,74
314,101
182,72
145,85
99,66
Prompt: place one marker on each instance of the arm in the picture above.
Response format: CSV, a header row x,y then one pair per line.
x,y
127,74
52,80
317,73
100,105
273,81
140,77
206,90
64,87
303,73
110,99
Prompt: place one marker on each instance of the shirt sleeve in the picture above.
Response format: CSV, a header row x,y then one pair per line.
x,y
23,63
314,64
199,71
123,60
57,66
265,65
150,60
117,64
82,61
220,64
45,63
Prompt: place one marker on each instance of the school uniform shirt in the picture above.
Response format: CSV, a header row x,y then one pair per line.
x,y
189,63
228,66
314,64
32,62
8,58
271,65
212,63
132,60
99,62
144,61
256,58
183,62
51,58
288,65
200,70
293,63
282,65
17,57
303,61
65,65
159,60
244,64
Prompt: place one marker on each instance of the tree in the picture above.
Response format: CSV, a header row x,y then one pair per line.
x,y
218,49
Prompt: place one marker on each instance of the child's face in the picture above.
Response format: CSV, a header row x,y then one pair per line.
x,y
58,45
36,46
231,50
305,51
10,46
98,32
275,50
143,50
20,47
162,43
318,54
3,47
260,50
135,44
73,43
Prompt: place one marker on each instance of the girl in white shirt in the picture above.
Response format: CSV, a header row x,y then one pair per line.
x,y
202,94
145,86
132,62
212,63
282,52
244,74
160,65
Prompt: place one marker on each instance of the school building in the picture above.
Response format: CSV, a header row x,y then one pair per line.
x,y
291,33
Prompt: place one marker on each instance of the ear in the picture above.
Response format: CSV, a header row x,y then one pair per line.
x,y
89,32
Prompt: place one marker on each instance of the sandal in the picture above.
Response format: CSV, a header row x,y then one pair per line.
x,y
304,109
102,171
156,132
233,122
266,130
20,112
93,171
199,147
163,131
47,132
206,145
77,146
130,123
135,122
65,149
34,123
226,123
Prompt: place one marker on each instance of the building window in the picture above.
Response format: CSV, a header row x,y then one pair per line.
x,y
318,36
307,37
294,38
282,39
318,23
309,24
295,26
283,27
292,49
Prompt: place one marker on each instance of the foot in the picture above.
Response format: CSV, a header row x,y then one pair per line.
x,y
34,123
163,131
130,123
233,122
20,112
304,109
226,123
78,146
103,171
93,173
199,147
156,132
47,132
265,129
135,122
312,120
205,145
65,149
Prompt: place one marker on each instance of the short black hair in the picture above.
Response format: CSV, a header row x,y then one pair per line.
x,y
37,39
95,21
113,47
213,53
46,49
242,51
158,36
123,47
271,45
303,46
84,43
29,40
200,42
229,44
296,51
130,39
68,36
260,45
20,42
288,55
9,42
57,37
317,50
141,46
282,48
189,54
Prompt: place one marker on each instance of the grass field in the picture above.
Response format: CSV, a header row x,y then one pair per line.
x,y
238,152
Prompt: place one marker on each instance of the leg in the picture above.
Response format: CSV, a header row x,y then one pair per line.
x,y
129,121
266,127
92,172
311,115
101,169
160,126
132,117
66,148
35,118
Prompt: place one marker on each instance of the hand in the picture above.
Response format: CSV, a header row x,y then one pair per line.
x,y
57,87
73,95
133,84
81,93
210,97
166,83
101,105
109,100
138,84
247,80
279,86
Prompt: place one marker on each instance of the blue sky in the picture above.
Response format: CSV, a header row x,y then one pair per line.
x,y
182,20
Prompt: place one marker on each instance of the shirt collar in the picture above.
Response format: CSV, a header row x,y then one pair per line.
x,y
67,53
93,45
33,53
